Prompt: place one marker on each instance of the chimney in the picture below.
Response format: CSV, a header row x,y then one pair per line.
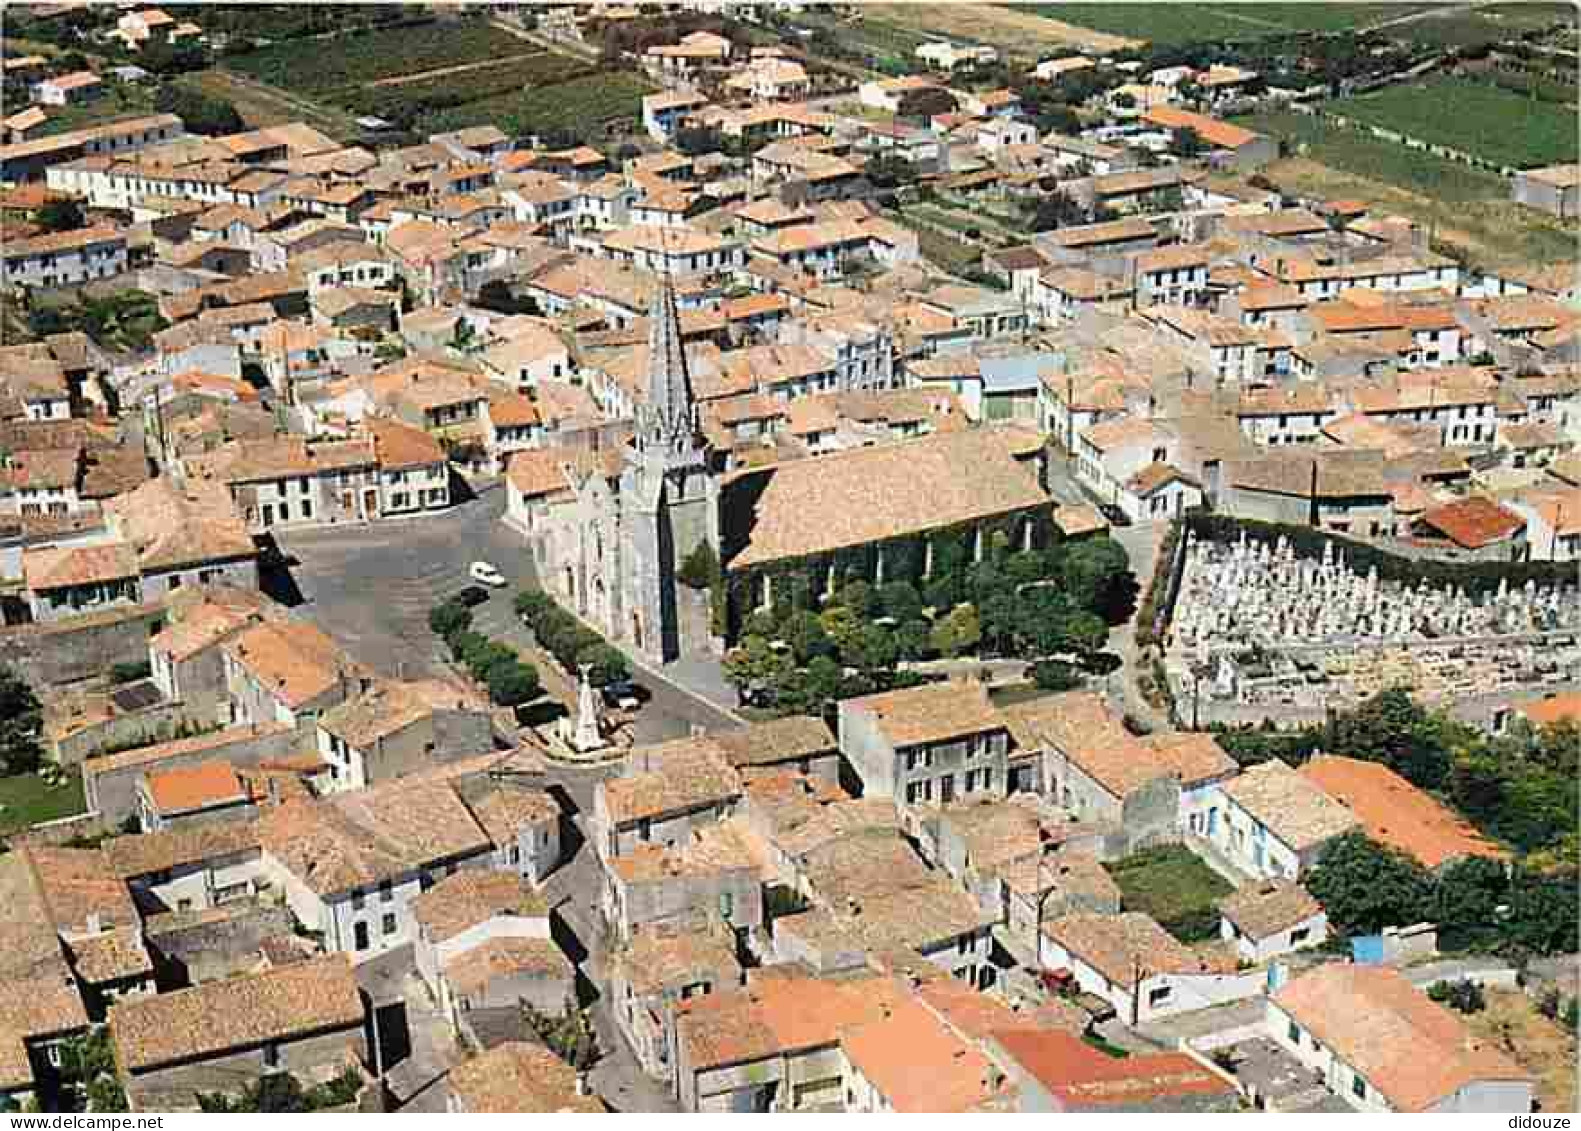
x,y
852,907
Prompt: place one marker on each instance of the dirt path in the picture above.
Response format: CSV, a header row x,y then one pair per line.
x,y
459,68
260,104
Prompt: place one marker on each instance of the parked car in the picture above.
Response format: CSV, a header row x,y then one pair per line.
x,y
487,575
1114,514
472,596
623,693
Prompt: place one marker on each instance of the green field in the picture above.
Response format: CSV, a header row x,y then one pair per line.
x,y
586,106
1164,23
28,799
1175,888
1353,151
1464,208
410,104
1469,28
321,66
1496,125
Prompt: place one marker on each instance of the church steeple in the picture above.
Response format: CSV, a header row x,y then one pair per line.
x,y
669,419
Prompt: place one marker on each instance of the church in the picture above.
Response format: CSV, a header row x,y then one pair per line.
x,y
607,530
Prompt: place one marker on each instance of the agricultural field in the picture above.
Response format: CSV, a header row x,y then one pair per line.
x,y
410,102
261,105
1467,27
586,106
1174,24
1017,30
1496,125
1467,210
325,66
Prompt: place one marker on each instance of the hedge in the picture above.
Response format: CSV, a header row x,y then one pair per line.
x,y
570,641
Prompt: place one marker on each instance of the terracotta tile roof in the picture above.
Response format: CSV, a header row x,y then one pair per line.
x,y
1264,909
1117,946
60,567
359,838
474,896
45,468
1195,757
1081,725
515,1078
1292,807
687,774
1552,709
1474,522
111,956
216,1018
917,1062
864,495
173,525
1074,519
930,713
781,740
29,946
1155,477
146,853
183,789
79,888
992,829
400,445
503,810
34,1008
1083,1078
663,957
390,706
1412,1050
294,661
1112,231
206,625
782,1009
1392,811
473,969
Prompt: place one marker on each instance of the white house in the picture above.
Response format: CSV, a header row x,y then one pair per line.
x,y
1274,917
1276,822
1382,1045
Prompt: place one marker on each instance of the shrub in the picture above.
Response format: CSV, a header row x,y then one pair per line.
x,y
512,683
606,664
130,671
1463,996
700,569
448,619
1051,675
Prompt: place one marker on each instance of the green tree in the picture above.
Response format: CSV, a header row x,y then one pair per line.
x,y
569,1036
957,633
899,600
753,664
61,214
606,664
512,683
449,619
925,102
200,113
1366,887
1463,995
871,648
804,632
701,567
839,624
1468,891
1052,675
21,722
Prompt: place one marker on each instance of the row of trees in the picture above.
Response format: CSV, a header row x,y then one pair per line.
x,y
571,642
510,680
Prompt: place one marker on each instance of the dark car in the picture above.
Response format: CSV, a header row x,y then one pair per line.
x,y
1114,514
622,693
472,596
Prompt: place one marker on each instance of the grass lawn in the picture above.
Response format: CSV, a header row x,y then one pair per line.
x,y
1175,888
1497,125
1512,1024
28,799
945,252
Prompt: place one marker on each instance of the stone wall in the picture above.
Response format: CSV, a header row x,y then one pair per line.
x,y
80,647
110,783
149,725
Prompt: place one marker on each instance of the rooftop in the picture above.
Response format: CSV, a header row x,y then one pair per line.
x,y
932,712
1292,806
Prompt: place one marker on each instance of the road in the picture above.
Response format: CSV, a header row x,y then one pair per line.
x,y
371,588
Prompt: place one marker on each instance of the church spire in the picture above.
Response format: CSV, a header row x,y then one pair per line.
x,y
669,418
